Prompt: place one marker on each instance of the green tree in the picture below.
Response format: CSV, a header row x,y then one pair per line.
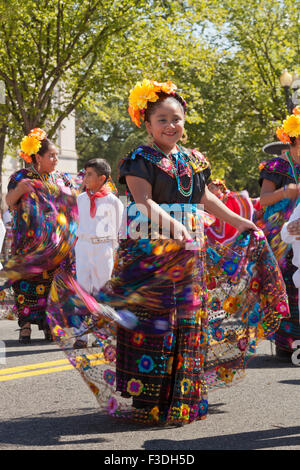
x,y
54,53
243,102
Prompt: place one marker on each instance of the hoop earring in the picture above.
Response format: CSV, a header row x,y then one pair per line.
x,y
184,137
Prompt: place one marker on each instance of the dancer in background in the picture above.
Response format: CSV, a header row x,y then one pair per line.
x,y
238,202
31,294
290,233
280,189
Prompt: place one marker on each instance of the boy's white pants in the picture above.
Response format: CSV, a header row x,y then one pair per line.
x,y
94,265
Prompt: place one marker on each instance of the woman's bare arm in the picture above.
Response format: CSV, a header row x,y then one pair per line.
x,y
141,191
14,195
269,195
213,205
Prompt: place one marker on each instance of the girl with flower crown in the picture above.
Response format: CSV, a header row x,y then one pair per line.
x,y
200,309
31,294
280,190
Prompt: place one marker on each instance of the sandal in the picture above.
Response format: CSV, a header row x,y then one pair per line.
x,y
47,332
25,339
48,335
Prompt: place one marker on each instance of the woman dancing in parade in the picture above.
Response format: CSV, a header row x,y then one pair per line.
x,y
238,202
31,293
164,378
280,189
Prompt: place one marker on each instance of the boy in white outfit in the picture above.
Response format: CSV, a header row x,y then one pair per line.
x,y
100,216
290,233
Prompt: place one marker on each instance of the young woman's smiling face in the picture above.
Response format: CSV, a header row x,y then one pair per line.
x,y
166,124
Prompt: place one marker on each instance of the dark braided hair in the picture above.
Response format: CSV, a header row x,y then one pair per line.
x,y
162,96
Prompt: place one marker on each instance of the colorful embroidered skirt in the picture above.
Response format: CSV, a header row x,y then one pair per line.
x,y
271,223
289,331
196,315
31,299
212,331
42,239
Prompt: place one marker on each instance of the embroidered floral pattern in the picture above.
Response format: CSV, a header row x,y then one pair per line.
x,y
135,387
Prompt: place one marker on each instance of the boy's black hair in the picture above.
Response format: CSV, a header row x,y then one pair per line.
x,y
100,166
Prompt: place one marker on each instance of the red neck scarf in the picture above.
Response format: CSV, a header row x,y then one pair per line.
x,y
104,191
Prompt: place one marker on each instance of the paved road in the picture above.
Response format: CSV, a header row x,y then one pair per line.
x,y
45,405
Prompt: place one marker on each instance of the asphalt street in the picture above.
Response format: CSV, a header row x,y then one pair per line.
x,y
45,405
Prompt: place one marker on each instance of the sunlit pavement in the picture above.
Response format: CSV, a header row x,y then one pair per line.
x,y
46,405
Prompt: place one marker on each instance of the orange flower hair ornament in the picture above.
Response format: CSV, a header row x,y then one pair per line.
x,y
142,93
31,144
290,127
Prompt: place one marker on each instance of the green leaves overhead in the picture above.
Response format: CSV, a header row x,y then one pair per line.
x,y
225,57
55,52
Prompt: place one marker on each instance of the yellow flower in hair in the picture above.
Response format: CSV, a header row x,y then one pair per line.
x,y
30,145
292,125
142,93
145,91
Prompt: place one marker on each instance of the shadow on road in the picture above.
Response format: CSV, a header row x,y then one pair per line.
x,y
277,437
37,346
290,382
49,429
268,362
91,427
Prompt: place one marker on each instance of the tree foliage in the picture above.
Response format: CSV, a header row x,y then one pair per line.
x,y
244,102
55,54
227,66
225,57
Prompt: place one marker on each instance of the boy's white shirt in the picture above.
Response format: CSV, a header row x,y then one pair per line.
x,y
94,262
107,221
287,238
